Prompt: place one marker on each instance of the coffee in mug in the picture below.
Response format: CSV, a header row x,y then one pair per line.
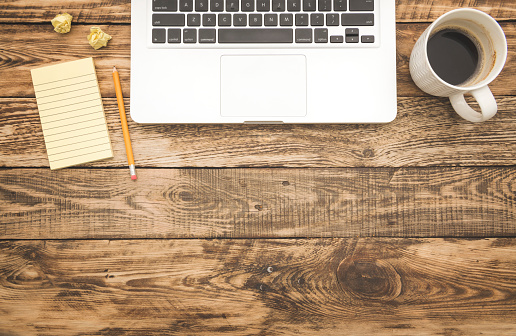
x,y
461,52
454,56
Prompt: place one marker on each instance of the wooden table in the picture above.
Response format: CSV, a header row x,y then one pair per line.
x,y
406,228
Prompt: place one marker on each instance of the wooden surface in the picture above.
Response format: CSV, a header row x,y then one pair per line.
x,y
244,203
426,132
28,46
259,287
406,228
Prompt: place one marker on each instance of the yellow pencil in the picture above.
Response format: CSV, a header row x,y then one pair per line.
x,y
123,119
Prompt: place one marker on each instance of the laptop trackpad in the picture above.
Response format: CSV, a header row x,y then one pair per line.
x,y
263,86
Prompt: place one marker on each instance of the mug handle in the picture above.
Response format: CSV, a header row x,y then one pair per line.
x,y
485,100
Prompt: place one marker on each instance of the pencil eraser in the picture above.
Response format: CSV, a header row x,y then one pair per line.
x,y
133,177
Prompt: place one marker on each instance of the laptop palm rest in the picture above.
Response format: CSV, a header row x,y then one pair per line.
x,y
263,86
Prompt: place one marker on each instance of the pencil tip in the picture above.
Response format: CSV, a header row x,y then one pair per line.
x,y
114,68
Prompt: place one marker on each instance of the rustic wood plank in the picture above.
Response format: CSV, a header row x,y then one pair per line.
x,y
407,36
259,287
254,203
83,11
119,11
426,132
25,47
429,10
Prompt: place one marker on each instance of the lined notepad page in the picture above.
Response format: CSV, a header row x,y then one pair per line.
x,y
71,112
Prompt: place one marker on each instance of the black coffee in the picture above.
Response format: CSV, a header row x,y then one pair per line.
x,y
453,56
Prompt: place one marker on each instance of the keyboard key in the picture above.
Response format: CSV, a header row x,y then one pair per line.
x,y
356,19
317,19
261,35
193,20
340,5
164,5
255,20
304,35
263,5
309,5
190,35
158,35
208,20
224,20
336,39
185,5
302,19
232,6
351,38
240,20
216,5
174,35
293,5
201,5
171,20
247,5
271,19
321,35
278,5
351,31
332,19
207,35
361,5
324,5
286,19
367,39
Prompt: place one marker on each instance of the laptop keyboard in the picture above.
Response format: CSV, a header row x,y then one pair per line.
x,y
300,23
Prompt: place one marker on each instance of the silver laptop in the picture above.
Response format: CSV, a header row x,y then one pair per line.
x,y
263,61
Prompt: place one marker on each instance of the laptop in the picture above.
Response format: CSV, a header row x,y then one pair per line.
x,y
263,61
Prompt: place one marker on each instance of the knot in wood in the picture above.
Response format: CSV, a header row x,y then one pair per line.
x,y
369,279
368,153
186,196
29,276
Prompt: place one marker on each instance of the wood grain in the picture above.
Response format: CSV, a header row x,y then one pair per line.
x,y
426,132
407,36
119,11
259,287
83,11
429,10
25,47
414,182
257,203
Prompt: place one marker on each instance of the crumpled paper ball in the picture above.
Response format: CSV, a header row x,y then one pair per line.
x,y
62,23
98,38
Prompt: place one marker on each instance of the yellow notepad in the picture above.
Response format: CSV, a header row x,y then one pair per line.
x,y
71,112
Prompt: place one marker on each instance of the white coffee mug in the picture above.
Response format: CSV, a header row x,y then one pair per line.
x,y
492,48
